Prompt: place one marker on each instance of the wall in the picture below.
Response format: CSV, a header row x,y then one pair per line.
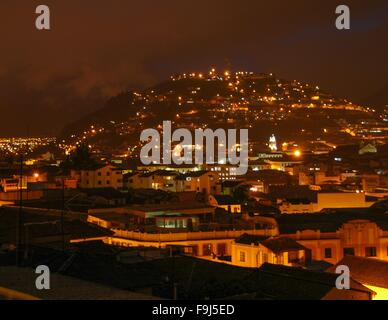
x,y
381,293
105,177
257,255
340,200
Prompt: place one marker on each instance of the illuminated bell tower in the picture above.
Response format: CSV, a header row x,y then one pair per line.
x,y
272,143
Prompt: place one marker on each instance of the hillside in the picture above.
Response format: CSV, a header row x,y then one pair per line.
x,y
263,103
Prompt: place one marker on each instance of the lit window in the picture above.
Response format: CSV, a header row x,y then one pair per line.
x,y
242,256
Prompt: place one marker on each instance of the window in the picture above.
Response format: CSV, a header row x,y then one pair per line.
x,y
349,252
207,250
243,256
328,253
370,252
293,256
221,249
107,182
108,174
99,182
99,174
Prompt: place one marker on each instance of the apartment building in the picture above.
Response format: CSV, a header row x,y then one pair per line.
x,y
99,176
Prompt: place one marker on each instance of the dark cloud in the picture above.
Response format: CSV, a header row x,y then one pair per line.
x,y
99,48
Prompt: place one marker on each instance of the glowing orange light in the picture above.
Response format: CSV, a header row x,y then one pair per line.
x,y
297,153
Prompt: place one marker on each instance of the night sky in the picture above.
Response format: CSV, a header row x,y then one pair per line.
x,y
96,49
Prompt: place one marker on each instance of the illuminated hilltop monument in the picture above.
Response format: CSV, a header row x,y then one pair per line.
x,y
272,143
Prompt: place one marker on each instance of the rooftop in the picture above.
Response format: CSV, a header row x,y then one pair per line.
x,y
281,282
41,225
194,174
367,271
170,206
63,287
330,221
282,244
250,239
225,200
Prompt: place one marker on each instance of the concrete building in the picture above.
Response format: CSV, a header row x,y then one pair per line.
x,y
253,251
99,176
324,200
332,236
202,181
371,273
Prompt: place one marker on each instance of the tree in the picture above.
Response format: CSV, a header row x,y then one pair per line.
x,y
79,158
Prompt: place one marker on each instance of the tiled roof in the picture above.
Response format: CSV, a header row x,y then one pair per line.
x,y
250,239
281,282
282,244
368,271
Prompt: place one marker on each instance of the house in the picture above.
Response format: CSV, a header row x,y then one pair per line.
x,y
289,283
163,222
173,181
187,224
225,202
282,164
253,251
332,236
99,176
225,172
372,273
159,180
12,184
132,180
201,181
301,199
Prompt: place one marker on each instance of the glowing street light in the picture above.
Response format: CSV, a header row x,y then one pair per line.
x,y
297,153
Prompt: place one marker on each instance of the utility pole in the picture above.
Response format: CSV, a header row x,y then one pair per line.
x,y
19,222
62,214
